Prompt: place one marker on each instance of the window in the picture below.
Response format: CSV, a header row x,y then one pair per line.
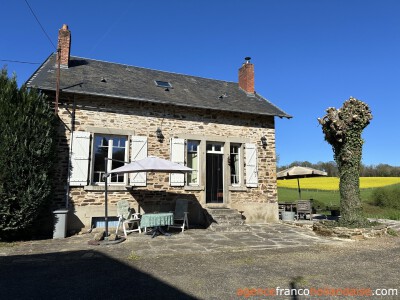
x,y
193,162
164,84
113,147
214,147
234,163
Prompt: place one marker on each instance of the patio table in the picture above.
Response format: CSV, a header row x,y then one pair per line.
x,y
156,220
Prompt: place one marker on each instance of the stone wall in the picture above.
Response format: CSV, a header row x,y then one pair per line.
x,y
84,113
324,229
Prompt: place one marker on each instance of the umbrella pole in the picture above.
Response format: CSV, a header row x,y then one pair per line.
x,y
105,198
298,186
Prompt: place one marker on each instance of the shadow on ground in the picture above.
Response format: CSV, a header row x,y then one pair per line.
x,y
78,275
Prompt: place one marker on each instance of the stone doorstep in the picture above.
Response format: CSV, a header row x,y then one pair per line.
x,y
228,222
224,224
227,216
230,228
222,212
221,217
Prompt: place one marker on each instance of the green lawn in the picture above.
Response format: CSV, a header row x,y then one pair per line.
x,y
332,198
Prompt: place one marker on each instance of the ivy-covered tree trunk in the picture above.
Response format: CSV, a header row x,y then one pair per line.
x,y
27,154
342,129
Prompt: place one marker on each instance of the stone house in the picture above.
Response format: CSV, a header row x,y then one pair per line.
x,y
223,130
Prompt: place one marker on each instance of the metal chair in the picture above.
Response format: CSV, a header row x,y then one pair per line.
x,y
126,218
181,214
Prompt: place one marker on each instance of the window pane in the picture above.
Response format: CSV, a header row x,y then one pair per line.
x,y
192,161
234,161
100,152
234,149
192,146
118,156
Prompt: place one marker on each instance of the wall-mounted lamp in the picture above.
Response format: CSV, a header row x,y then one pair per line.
x,y
264,141
160,136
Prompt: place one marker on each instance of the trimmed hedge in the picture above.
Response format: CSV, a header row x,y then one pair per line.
x,y
27,156
388,197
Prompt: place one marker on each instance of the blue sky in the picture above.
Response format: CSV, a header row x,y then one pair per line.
x,y
308,54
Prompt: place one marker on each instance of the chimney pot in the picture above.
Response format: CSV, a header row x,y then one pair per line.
x,y
246,76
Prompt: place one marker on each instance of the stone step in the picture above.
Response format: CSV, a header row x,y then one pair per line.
x,y
230,228
227,217
228,222
222,211
225,220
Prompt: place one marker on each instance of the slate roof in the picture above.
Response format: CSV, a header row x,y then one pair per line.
x,y
93,77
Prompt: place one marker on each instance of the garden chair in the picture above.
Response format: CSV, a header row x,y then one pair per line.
x,y
126,218
181,214
304,207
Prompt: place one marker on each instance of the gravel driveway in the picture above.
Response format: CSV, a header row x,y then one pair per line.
x,y
72,269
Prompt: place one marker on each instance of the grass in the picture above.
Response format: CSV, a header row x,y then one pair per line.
x,y
392,232
7,245
325,198
133,256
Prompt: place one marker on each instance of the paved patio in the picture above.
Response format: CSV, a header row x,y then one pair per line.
x,y
257,237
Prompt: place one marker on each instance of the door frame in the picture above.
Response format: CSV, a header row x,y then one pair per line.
x,y
218,149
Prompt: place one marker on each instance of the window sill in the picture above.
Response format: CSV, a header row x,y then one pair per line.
x,y
193,188
237,189
110,188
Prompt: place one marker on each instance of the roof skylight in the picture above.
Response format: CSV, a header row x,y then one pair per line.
x,y
163,84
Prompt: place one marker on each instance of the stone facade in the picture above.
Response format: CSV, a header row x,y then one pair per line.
x,y
116,116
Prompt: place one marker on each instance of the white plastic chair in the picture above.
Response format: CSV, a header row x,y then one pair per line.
x,y
181,214
126,218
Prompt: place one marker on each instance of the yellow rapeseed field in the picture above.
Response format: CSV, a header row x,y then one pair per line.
x,y
332,183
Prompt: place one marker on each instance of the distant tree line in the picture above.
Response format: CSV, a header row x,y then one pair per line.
x,y
380,170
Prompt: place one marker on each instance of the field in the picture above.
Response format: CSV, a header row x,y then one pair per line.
x,y
325,192
332,183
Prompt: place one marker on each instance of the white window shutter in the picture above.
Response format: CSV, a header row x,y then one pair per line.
x,y
138,151
80,145
177,156
251,165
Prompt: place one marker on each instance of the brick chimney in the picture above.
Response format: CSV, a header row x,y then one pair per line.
x,y
64,46
246,76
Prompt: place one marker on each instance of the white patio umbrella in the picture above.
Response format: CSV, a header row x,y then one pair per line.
x,y
299,172
151,164
148,164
